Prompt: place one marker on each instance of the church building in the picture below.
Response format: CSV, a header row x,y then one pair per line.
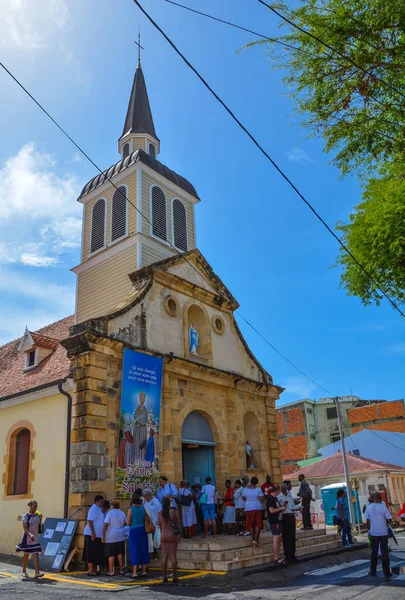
x,y
143,285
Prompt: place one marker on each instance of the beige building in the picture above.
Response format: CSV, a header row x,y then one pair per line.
x,y
34,427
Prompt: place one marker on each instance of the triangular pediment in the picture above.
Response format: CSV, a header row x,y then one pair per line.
x,y
194,268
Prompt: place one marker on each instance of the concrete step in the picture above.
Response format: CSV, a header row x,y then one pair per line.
x,y
231,551
257,557
233,541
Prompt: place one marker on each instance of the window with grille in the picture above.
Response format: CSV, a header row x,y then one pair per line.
x,y
152,151
125,151
158,209
22,460
334,437
179,225
98,226
119,213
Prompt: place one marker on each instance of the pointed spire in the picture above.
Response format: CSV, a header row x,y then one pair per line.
x,y
139,115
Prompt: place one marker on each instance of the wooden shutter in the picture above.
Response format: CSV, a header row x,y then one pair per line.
x,y
179,225
119,213
22,462
98,226
159,225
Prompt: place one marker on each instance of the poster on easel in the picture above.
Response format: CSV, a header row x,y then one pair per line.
x,y
56,542
137,464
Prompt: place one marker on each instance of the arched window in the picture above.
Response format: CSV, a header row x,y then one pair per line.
x,y
152,151
98,226
179,225
119,213
158,210
125,150
22,462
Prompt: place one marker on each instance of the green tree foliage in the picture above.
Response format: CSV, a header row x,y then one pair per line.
x,y
360,118
360,114
376,236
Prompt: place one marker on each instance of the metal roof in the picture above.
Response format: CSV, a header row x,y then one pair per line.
x,y
139,115
139,156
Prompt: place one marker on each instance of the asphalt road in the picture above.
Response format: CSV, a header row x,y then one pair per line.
x,y
342,576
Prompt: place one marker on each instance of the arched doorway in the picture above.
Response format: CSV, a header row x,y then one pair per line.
x,y
198,449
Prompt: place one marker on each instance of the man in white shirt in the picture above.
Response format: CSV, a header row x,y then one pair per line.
x,y
378,517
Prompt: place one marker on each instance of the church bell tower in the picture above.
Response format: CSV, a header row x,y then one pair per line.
x,y
141,214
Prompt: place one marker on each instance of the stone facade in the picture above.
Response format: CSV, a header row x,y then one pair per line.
x,y
223,398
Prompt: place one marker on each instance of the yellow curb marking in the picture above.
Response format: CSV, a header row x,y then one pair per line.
x,y
8,575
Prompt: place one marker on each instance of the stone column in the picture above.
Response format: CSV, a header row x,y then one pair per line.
x,y
95,421
272,433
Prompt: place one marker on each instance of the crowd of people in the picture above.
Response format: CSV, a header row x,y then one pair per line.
x,y
240,508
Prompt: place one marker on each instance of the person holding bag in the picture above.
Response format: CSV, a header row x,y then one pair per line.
x,y
170,536
186,500
139,522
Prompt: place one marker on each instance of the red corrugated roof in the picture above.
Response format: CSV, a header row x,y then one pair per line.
x,y
55,366
333,465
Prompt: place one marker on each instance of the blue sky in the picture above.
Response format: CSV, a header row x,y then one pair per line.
x,y
78,59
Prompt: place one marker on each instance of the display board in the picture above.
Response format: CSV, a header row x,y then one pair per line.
x,y
55,543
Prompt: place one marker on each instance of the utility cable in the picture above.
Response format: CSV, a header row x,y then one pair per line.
x,y
140,213
264,152
341,54
261,35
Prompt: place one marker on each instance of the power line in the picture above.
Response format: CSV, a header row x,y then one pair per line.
x,y
265,37
141,214
264,152
365,71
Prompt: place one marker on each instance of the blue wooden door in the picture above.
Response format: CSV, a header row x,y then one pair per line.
x,y
198,463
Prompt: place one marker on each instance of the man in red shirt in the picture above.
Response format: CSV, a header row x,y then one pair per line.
x,y
267,487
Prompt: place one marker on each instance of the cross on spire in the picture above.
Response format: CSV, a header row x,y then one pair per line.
x,y
138,43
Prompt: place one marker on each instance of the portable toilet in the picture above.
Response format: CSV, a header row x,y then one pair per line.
x,y
329,502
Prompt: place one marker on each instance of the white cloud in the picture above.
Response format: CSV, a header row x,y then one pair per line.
x,y
27,25
300,156
29,300
299,386
39,216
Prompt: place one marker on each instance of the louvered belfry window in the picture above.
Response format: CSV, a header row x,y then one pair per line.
x,y
179,225
98,226
152,151
119,213
159,225
125,151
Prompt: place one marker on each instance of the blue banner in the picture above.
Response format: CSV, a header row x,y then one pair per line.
x,y
137,465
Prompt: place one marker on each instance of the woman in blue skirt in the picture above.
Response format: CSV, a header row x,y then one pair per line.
x,y
29,543
138,538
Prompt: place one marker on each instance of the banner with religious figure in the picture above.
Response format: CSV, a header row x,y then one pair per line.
x,y
137,465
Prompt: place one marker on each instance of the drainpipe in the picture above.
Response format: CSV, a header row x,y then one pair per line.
x,y
68,433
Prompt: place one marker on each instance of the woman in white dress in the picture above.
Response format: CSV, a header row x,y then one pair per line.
x,y
188,514
153,507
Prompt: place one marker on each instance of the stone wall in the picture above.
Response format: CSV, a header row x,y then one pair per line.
x,y
223,398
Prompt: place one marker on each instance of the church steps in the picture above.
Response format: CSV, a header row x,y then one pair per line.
x,y
228,554
244,549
